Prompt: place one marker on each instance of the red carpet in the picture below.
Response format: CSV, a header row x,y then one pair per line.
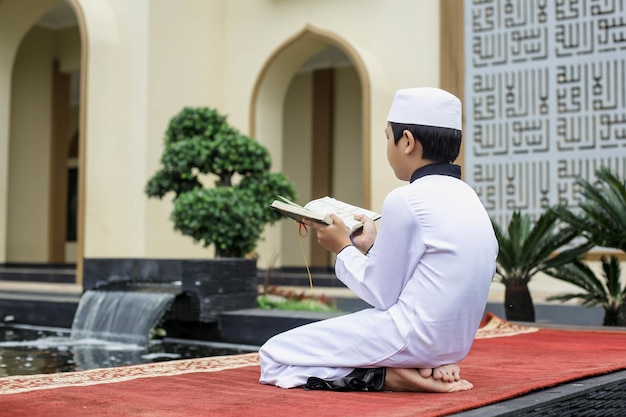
x,y
505,361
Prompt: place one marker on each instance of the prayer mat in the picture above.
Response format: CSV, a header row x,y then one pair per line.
x,y
506,360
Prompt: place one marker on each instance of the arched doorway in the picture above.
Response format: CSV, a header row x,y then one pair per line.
x,y
310,108
43,54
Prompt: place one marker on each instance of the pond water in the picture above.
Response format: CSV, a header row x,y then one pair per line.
x,y
28,350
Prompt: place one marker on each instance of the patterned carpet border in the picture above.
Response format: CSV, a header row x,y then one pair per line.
x,y
17,384
494,326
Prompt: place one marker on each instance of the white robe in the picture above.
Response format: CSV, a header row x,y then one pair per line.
x,y
427,278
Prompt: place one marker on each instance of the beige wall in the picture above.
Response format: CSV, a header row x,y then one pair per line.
x,y
16,18
382,44
379,60
146,59
116,127
296,166
348,146
29,143
185,69
199,53
29,148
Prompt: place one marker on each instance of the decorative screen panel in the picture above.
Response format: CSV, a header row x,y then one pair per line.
x,y
545,99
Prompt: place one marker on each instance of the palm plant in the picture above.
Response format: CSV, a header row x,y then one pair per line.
x,y
602,216
525,249
606,292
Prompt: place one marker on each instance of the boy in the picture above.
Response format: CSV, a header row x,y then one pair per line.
x,y
426,272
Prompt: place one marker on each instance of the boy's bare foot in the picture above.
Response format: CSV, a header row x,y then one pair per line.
x,y
448,373
404,379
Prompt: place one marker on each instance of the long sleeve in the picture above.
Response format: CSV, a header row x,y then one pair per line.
x,y
380,277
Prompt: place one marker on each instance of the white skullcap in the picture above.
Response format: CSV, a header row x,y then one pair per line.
x,y
426,106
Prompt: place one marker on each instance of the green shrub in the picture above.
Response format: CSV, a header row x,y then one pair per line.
x,y
232,215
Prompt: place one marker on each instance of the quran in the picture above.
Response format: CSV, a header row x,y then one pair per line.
x,y
320,209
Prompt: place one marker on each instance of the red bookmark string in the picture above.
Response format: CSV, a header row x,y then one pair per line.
x,y
306,230
303,231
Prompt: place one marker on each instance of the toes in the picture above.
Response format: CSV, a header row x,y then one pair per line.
x,y
461,385
443,375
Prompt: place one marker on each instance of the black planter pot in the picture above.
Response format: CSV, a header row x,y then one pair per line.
x,y
518,303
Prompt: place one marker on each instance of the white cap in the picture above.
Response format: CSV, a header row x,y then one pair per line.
x,y
426,106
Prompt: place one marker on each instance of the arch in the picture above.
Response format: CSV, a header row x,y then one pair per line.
x,y
270,86
98,32
270,91
99,36
16,18
16,21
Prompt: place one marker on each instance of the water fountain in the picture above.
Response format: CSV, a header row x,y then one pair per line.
x,y
110,328
119,316
203,288
123,300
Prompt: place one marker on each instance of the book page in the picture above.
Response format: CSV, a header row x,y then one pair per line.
x,y
345,211
298,212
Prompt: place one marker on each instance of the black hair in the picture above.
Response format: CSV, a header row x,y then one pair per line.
x,y
440,144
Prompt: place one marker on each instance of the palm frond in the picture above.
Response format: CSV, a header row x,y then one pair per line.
x,y
529,248
586,300
610,197
580,275
602,211
607,292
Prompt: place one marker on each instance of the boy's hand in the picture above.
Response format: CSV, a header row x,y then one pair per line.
x,y
332,237
364,238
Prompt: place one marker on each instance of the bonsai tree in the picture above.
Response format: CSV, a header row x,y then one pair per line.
x,y
601,218
525,249
607,292
199,146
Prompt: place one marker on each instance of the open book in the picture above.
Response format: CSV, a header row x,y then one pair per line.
x,y
319,210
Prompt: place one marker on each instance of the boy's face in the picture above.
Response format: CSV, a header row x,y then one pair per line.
x,y
395,155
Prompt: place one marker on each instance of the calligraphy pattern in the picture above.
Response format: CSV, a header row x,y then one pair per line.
x,y
545,99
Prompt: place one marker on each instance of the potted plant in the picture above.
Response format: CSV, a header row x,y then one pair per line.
x,y
525,249
601,218
230,214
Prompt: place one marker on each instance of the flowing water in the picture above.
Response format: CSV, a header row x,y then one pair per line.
x,y
119,316
110,329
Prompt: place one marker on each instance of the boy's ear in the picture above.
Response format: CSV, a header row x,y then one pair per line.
x,y
409,142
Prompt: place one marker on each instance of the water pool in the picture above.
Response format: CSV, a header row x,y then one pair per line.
x,y
29,350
